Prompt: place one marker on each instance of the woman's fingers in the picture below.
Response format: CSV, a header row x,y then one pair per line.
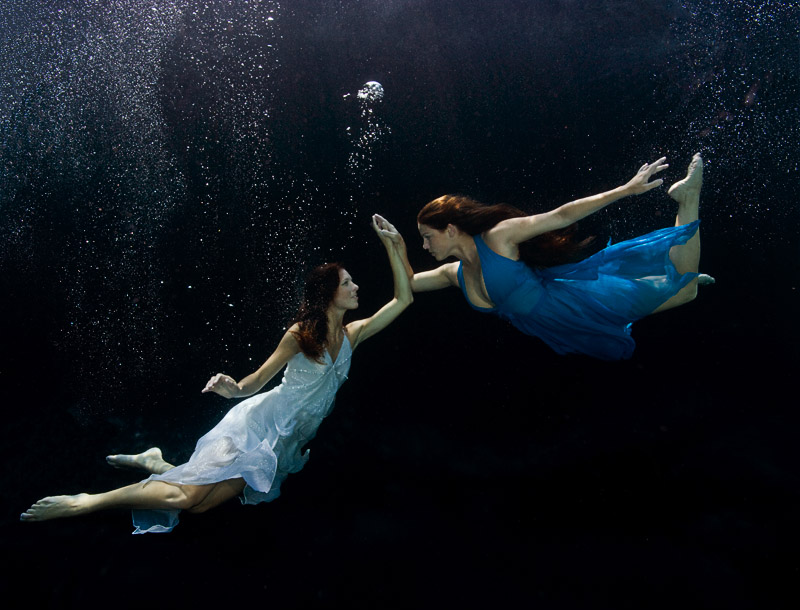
x,y
647,171
380,222
217,381
384,228
656,166
211,383
659,165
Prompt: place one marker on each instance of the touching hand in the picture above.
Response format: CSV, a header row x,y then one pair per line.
x,y
386,230
223,385
640,183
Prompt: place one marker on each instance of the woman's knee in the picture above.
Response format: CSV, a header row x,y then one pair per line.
x,y
689,293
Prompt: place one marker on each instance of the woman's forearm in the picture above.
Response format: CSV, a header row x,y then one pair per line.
x,y
640,183
226,386
574,211
398,256
581,208
249,385
403,253
401,272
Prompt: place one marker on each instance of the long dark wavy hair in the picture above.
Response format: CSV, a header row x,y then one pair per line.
x,y
312,317
545,250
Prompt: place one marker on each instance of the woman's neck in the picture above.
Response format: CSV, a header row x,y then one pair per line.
x,y
465,250
335,325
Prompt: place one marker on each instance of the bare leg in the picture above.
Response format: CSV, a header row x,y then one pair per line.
x,y
686,257
222,492
151,460
145,495
686,192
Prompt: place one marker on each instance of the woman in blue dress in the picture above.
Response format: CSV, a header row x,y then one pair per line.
x,y
260,440
515,265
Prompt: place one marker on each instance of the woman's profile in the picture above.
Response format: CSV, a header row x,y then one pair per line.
x,y
521,267
260,440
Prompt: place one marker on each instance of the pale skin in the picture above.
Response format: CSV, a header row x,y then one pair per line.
x,y
200,498
504,238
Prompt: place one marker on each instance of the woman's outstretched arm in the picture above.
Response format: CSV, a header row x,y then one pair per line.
x,y
228,387
443,276
518,230
360,330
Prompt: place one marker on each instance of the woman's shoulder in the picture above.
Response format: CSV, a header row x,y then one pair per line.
x,y
292,331
504,230
352,332
289,338
500,240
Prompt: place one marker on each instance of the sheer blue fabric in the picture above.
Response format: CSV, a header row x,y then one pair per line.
x,y
586,307
261,438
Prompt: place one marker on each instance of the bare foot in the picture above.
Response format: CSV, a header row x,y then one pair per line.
x,y
55,507
683,189
150,460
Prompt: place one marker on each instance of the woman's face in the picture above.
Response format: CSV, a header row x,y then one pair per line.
x,y
434,241
346,296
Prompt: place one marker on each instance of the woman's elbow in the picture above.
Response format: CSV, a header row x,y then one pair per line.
x,y
561,219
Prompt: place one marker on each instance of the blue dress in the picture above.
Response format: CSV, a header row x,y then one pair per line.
x,y
586,307
261,439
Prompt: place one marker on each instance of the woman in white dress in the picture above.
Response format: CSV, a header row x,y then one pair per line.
x,y
259,441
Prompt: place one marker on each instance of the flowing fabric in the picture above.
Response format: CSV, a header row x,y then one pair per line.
x,y
260,439
586,307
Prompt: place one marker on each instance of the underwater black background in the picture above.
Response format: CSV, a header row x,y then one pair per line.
x,y
464,464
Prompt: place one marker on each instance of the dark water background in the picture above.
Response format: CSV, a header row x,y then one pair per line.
x,y
169,170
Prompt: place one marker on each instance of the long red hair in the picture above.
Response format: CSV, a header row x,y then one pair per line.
x,y
312,316
546,250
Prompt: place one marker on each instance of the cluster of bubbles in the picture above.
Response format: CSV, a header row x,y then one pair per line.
x,y
79,90
219,92
86,181
369,135
733,90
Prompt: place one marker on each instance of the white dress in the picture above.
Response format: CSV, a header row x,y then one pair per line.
x,y
261,438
